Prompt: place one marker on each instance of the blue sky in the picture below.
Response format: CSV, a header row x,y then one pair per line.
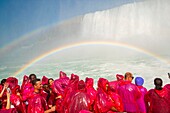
x,y
20,17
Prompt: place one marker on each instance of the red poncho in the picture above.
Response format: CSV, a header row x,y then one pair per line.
x,y
37,104
80,100
129,94
17,101
158,101
90,89
106,100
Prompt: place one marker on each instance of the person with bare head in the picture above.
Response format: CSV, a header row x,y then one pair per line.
x,y
129,76
50,82
37,103
32,77
158,99
129,93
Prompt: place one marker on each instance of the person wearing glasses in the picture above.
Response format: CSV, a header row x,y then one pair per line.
x,y
129,93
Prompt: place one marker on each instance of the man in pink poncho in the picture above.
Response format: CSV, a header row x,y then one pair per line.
x,y
106,100
129,94
141,103
37,103
158,99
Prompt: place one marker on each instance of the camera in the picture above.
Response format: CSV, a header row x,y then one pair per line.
x,y
8,90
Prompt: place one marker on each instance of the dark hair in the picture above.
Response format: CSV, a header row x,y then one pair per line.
x,y
32,75
158,83
35,81
50,79
3,81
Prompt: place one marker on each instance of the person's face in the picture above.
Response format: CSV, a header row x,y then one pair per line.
x,y
130,78
46,88
107,86
33,78
51,82
38,85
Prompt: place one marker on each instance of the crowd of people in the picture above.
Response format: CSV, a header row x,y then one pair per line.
x,y
72,95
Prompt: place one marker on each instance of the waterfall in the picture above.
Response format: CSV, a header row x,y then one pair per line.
x,y
144,24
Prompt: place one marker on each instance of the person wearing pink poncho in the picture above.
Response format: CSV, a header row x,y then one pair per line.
x,y
106,100
46,93
27,87
141,103
114,85
37,104
3,92
80,100
158,99
69,91
90,90
129,94
60,84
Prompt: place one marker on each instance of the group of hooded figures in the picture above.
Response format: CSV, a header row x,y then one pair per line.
x,y
71,95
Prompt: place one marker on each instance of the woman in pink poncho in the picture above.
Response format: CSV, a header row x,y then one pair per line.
x,y
105,99
158,99
141,103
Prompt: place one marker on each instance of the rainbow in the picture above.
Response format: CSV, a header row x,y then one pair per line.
x,y
78,44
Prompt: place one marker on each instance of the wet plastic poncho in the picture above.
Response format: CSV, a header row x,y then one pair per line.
x,y
114,85
85,111
90,89
37,104
11,110
60,84
44,80
63,102
167,86
104,100
17,101
3,98
13,82
24,83
28,90
80,100
158,101
141,103
129,93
